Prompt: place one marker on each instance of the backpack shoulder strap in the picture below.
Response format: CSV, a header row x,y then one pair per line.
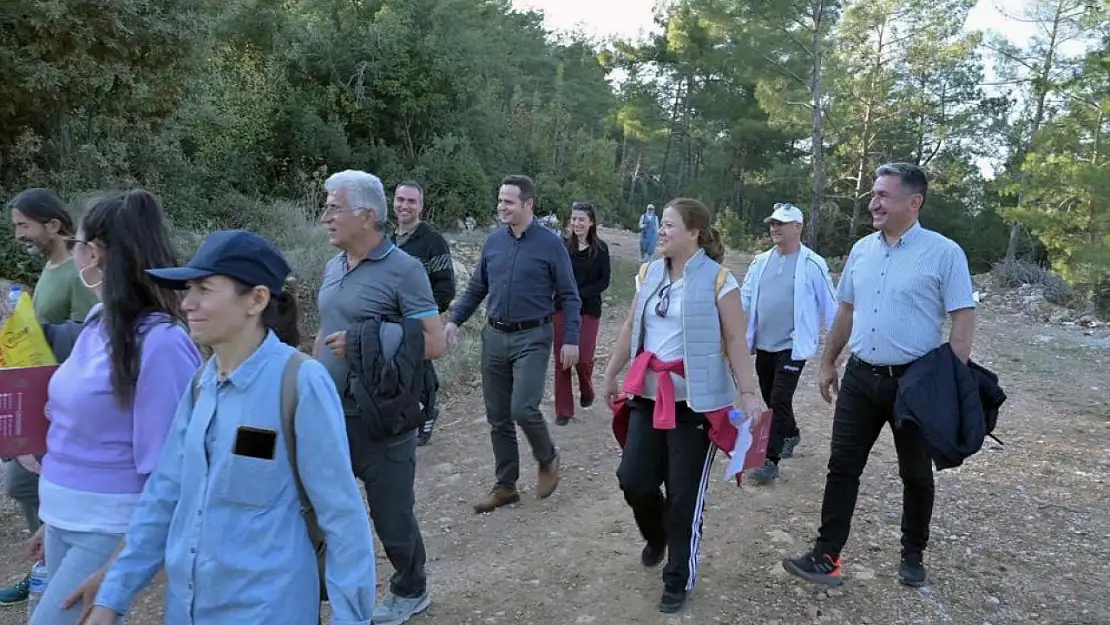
x,y
722,277
640,277
288,426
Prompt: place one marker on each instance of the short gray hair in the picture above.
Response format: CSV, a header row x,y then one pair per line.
x,y
911,176
362,191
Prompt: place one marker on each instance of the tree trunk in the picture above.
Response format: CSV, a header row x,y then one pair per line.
x,y
818,138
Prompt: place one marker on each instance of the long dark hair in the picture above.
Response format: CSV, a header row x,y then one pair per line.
x,y
43,206
131,229
280,314
592,241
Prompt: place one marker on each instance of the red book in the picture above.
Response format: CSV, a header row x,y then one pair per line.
x,y
23,421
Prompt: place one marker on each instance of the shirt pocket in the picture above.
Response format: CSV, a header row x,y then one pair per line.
x,y
250,482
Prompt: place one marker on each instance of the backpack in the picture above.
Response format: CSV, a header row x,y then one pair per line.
x,y
385,359
288,414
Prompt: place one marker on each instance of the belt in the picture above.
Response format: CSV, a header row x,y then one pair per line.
x,y
518,326
885,371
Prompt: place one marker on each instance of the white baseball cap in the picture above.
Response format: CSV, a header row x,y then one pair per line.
x,y
785,213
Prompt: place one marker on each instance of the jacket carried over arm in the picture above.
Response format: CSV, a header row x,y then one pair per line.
x,y
953,405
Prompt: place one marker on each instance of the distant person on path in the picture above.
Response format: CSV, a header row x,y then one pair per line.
x,y
222,514
424,243
525,269
42,223
372,278
589,259
111,402
788,295
685,338
899,286
649,233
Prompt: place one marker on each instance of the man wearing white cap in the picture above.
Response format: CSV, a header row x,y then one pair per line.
x,y
787,293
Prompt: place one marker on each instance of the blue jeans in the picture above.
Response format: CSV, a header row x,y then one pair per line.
x,y
647,243
71,557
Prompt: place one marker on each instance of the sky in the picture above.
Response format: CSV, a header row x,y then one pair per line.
x,y
632,18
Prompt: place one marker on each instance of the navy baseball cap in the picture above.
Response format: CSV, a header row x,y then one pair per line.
x,y
237,254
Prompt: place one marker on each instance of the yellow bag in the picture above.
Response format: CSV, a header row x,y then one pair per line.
x,y
22,342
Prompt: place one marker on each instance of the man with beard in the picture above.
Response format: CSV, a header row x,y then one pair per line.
x,y
421,241
42,223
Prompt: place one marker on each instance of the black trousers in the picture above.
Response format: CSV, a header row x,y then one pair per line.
x,y
679,459
388,469
431,389
778,379
864,405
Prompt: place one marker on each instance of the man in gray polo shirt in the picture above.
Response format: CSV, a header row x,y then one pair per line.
x,y
371,277
899,286
523,268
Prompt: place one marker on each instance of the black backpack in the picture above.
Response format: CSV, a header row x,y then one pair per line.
x,y
388,388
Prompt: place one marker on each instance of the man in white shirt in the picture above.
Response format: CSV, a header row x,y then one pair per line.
x,y
787,293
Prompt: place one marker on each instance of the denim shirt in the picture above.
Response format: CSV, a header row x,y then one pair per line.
x,y
229,528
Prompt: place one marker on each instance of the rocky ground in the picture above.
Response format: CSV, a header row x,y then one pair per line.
x,y
1019,534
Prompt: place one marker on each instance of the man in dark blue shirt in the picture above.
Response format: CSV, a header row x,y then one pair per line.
x,y
523,269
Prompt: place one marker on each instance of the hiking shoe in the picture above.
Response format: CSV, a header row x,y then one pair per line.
x,y
499,496
396,610
586,401
548,479
765,474
562,420
911,571
672,601
16,593
423,438
814,566
652,555
788,446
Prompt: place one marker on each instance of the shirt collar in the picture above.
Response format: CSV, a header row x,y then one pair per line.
x,y
907,237
532,225
378,253
249,369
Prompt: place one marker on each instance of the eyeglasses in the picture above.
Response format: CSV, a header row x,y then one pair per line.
x,y
664,302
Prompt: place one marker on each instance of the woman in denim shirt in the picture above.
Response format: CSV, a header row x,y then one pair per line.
x,y
222,510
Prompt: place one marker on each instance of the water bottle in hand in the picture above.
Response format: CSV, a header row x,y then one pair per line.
x,y
37,582
13,298
736,416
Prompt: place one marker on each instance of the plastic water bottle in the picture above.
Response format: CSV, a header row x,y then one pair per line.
x,y
13,296
37,584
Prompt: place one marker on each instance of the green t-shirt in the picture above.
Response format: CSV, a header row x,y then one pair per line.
x,y
59,295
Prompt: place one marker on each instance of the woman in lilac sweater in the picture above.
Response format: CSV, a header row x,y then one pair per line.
x,y
110,404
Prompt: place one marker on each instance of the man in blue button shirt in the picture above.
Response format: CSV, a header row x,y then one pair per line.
x,y
523,269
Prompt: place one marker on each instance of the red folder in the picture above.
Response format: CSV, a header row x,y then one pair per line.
x,y
23,421
757,453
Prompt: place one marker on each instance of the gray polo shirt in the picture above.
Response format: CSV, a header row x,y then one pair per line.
x,y
388,282
901,294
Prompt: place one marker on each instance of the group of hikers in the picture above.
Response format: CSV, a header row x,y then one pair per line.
x,y
237,474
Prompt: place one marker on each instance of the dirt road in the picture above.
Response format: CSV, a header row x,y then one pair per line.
x,y
1019,533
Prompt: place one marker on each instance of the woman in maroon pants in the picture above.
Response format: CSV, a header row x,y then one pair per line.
x,y
590,258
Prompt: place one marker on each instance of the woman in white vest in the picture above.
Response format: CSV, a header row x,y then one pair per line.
x,y
685,336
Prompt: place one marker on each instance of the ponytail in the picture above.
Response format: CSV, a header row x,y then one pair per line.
x,y
281,317
710,241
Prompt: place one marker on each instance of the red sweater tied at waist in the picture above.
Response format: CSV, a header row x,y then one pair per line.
x,y
721,431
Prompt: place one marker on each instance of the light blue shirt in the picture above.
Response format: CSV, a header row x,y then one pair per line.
x,y
814,300
901,294
228,527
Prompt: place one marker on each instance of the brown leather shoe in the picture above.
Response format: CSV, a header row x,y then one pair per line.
x,y
499,496
548,479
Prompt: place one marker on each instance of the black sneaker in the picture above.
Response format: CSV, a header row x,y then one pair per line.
x,y
651,556
586,401
814,566
672,601
423,438
911,571
562,420
788,446
765,474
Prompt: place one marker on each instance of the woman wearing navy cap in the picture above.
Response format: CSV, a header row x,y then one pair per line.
x,y
222,510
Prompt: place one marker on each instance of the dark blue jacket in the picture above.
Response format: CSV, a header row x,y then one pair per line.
x,y
954,406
